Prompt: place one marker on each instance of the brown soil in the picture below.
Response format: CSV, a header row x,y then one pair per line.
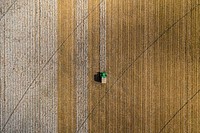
x,y
153,67
66,93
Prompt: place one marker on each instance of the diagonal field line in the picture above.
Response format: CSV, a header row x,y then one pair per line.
x,y
178,111
8,10
59,47
133,62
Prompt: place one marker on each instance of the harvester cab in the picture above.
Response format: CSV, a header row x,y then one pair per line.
x,y
103,76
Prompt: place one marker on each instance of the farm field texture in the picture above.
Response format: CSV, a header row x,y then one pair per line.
x,y
51,53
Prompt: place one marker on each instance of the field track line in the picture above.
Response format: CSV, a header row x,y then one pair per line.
x,y
3,15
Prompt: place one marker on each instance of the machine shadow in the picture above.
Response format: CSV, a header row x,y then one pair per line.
x,y
97,77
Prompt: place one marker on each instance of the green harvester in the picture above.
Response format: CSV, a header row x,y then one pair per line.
x,y
103,76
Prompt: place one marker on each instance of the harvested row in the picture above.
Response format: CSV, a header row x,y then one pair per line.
x,y
81,55
103,36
